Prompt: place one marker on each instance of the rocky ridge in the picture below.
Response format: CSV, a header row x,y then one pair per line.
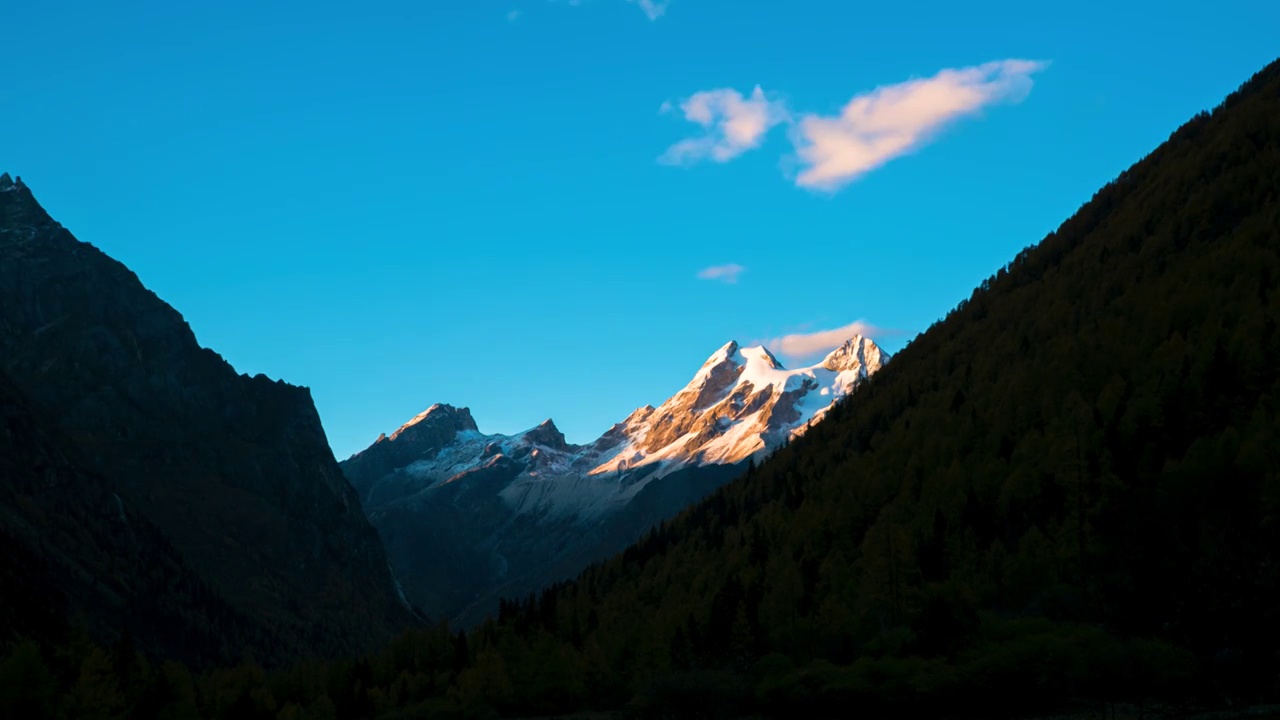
x,y
468,516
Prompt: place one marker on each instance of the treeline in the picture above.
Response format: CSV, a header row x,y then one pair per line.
x,y
1064,494
518,670
79,678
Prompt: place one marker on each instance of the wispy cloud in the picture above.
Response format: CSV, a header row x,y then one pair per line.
x,y
724,273
513,16
872,128
893,120
812,343
653,9
734,124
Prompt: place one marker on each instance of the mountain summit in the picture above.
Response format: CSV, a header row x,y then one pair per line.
x,y
487,514
741,403
857,354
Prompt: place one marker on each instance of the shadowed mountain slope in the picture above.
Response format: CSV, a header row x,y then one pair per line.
x,y
235,471
76,556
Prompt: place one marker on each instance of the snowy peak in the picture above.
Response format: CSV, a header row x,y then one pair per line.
x,y
719,375
438,416
740,403
425,436
724,354
733,355
532,508
858,354
548,435
767,357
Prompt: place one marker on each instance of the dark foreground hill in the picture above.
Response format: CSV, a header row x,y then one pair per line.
x,y
76,558
233,472
1065,493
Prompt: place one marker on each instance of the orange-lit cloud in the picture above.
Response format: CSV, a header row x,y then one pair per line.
x,y
893,120
805,344
734,124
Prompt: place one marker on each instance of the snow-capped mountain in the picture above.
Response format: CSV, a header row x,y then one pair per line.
x,y
741,403
468,516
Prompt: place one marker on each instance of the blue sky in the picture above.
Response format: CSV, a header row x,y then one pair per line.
x,y
488,203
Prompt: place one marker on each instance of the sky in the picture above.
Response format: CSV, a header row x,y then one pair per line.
x,y
542,208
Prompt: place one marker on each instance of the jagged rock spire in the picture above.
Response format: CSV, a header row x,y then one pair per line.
x,y
549,435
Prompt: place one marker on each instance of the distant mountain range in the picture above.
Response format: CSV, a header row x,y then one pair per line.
x,y
468,517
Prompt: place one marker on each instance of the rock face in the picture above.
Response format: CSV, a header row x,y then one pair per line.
x,y
234,471
468,518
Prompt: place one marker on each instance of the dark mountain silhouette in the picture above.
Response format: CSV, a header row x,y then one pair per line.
x,y
235,472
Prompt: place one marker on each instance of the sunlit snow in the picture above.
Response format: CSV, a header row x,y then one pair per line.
x,y
741,403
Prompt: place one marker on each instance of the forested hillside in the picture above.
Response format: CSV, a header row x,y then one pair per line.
x,y
1068,488
1066,492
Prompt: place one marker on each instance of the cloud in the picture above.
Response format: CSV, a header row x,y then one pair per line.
x,y
513,16
734,124
652,8
804,344
724,273
875,127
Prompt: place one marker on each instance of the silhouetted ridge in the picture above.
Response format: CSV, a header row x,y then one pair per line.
x,y
235,471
